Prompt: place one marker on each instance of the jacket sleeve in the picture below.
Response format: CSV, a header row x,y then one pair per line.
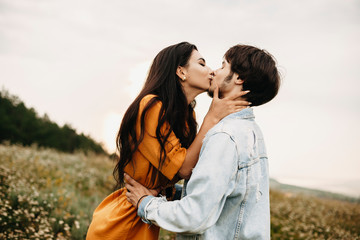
x,y
212,180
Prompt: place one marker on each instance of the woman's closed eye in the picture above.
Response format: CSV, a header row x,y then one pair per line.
x,y
202,63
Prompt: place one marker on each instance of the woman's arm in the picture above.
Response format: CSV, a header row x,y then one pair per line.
x,y
219,109
207,190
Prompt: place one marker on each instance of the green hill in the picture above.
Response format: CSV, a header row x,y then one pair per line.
x,y
310,192
19,124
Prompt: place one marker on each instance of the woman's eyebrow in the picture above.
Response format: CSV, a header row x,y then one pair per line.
x,y
202,59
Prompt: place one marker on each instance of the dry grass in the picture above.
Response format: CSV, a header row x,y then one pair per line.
x,y
306,217
45,194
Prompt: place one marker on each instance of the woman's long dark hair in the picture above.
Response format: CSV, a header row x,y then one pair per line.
x,y
163,82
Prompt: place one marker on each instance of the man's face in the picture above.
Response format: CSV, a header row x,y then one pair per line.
x,y
222,77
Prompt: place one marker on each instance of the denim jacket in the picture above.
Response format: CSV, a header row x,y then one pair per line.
x,y
227,196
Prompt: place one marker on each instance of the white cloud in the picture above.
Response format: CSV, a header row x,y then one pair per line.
x,y
137,78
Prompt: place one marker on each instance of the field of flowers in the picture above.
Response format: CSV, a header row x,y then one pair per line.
x,y
295,216
46,194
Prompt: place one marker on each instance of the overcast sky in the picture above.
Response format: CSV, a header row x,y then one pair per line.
x,y
83,61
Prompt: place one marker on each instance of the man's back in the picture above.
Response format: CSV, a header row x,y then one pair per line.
x,y
245,212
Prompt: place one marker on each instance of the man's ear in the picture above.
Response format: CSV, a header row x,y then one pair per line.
x,y
180,72
238,80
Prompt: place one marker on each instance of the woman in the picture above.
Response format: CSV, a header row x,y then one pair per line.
x,y
157,140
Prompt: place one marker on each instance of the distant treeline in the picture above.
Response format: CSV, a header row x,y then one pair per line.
x,y
18,124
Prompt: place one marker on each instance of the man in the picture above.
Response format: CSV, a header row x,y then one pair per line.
x,y
227,196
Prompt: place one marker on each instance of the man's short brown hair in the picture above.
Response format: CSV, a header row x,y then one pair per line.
x,y
257,68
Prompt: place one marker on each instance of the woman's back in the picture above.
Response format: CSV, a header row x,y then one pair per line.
x,y
115,217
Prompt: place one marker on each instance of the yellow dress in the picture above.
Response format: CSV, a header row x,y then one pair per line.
x,y
115,217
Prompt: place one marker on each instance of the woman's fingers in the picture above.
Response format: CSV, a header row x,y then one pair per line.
x,y
134,187
242,103
129,187
131,199
130,181
237,109
216,92
127,178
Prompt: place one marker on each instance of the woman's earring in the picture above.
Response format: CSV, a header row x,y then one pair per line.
x,y
184,78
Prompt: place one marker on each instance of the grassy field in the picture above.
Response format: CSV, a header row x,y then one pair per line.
x,y
46,194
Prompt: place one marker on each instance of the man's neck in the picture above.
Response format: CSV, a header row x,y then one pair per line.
x,y
228,94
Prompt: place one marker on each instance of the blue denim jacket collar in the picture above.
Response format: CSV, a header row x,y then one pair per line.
x,y
246,113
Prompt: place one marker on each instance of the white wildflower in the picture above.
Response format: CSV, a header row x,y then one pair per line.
x,y
77,224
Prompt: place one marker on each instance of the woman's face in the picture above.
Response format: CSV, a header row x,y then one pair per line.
x,y
198,75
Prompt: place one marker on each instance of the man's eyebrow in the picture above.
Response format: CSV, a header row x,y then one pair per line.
x,y
202,59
